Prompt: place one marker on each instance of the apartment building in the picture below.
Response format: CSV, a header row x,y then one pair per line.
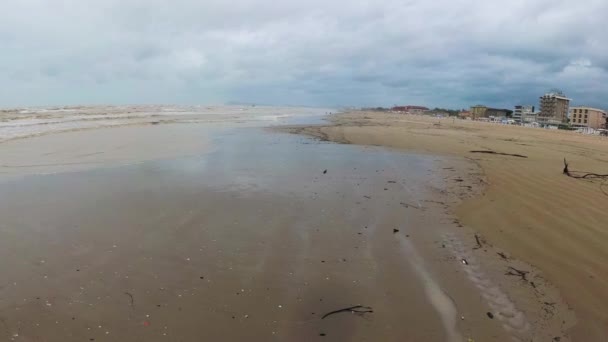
x,y
553,108
478,111
524,114
588,117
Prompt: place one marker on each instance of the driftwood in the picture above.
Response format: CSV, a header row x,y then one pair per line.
x,y
582,175
500,153
479,245
587,175
502,255
515,272
357,309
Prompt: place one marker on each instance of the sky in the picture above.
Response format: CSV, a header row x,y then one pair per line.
x,y
440,53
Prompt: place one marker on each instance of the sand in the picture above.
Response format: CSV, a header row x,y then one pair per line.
x,y
105,147
188,228
250,239
527,208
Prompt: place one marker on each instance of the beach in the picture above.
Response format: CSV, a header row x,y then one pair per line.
x,y
527,207
220,223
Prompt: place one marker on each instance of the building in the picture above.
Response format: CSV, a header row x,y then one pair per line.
x,y
588,117
553,108
410,109
465,115
478,111
498,113
523,112
529,118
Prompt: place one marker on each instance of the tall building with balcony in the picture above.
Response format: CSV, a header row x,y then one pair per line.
x,y
588,117
553,108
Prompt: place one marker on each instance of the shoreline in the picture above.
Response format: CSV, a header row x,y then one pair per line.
x,y
507,189
39,141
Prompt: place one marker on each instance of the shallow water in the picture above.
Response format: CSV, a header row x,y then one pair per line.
x,y
20,123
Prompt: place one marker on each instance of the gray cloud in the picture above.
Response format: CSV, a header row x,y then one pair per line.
x,y
439,53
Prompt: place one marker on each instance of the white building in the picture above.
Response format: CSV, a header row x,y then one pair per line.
x,y
524,114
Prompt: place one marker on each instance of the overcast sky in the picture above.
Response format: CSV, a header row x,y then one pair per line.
x,y
450,53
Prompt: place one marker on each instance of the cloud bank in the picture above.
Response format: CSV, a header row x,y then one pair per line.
x,y
326,53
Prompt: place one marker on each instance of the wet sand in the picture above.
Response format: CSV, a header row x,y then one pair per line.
x,y
107,147
237,233
528,209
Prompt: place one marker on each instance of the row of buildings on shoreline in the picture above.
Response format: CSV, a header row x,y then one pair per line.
x,y
554,112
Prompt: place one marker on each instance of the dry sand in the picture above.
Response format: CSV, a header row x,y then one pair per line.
x,y
528,209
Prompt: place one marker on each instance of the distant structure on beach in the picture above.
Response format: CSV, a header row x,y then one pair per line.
x,y
410,109
587,117
554,108
554,113
465,114
524,114
479,111
498,112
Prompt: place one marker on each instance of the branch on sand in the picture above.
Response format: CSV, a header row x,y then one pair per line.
x,y
503,255
582,175
515,272
587,175
357,309
479,245
500,153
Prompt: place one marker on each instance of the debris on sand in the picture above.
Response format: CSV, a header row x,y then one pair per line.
x,y
357,309
325,172
131,298
581,175
490,315
515,272
478,242
500,153
395,231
